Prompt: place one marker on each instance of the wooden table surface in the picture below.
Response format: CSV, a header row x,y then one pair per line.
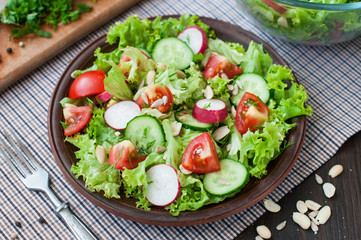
x,y
345,220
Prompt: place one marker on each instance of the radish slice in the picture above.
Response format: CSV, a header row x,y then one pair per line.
x,y
164,186
210,110
195,37
118,115
104,97
275,6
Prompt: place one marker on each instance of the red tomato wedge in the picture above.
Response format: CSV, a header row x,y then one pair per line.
x,y
124,155
251,112
201,156
154,93
218,64
87,83
77,118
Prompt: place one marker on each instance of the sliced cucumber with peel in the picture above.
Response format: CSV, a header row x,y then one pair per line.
x,y
232,177
252,83
173,50
188,121
145,132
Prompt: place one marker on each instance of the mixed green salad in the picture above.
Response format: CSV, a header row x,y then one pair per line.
x,y
306,25
176,117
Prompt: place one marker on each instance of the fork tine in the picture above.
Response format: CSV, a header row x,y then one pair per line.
x,y
4,152
18,151
32,160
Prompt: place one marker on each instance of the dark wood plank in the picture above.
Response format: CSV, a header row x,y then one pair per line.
x,y
345,221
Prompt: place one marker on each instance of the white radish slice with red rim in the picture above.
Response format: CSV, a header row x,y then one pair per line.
x,y
104,97
164,187
195,37
118,115
210,110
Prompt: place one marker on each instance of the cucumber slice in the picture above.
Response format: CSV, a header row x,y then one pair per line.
x,y
252,83
191,123
169,50
232,178
145,132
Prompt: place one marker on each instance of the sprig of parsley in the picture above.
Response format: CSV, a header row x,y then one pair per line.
x,y
30,15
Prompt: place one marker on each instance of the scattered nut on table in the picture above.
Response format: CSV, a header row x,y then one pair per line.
x,y
281,225
323,215
312,205
301,206
319,179
302,220
335,170
329,189
271,205
264,232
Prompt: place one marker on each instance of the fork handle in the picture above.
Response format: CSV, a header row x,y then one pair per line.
x,y
76,225
80,230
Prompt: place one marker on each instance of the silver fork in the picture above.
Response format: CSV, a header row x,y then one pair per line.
x,y
36,178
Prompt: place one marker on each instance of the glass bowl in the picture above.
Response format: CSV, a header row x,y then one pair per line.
x,y
306,22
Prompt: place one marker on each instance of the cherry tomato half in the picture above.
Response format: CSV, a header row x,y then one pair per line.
x,y
124,155
251,112
155,92
201,156
87,83
218,64
77,118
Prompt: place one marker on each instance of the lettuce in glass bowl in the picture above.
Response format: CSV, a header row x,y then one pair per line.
x,y
312,22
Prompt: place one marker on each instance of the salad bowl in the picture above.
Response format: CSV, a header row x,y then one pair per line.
x,y
306,22
252,193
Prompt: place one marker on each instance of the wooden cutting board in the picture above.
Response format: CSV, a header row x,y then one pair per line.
x,y
38,50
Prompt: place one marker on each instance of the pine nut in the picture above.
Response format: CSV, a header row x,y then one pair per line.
x,y
323,215
271,205
233,111
160,149
184,171
329,189
302,220
264,232
157,103
335,171
150,77
301,206
221,132
319,179
145,98
180,74
281,226
100,154
314,206
165,100
176,128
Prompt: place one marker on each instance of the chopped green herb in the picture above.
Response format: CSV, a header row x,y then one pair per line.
x,y
207,106
31,15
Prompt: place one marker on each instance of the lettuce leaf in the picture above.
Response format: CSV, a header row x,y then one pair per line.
x,y
115,84
145,33
291,101
185,91
138,66
233,52
258,61
219,87
98,177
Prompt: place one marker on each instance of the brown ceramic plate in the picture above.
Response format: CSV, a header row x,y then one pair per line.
x,y
125,207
